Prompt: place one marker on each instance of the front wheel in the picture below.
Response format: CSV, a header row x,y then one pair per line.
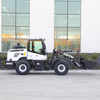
x,y
61,68
22,67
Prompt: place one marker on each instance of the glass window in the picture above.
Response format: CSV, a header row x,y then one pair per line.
x,y
22,20
35,46
60,0
74,45
67,31
38,47
22,32
8,19
60,44
74,0
9,43
22,6
60,21
60,33
74,21
8,5
74,33
23,42
60,7
8,32
74,7
11,35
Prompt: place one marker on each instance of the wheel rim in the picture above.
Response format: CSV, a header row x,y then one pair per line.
x,y
22,68
61,68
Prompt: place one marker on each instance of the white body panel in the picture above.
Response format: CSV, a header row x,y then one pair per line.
x,y
28,55
35,56
10,55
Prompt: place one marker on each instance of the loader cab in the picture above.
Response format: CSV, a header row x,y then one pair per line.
x,y
36,46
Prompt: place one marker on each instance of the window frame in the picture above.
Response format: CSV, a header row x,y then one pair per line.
x,y
42,51
15,13
68,26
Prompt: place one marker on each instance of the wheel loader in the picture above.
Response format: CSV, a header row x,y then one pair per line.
x,y
35,57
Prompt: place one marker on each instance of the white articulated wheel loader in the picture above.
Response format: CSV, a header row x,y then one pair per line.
x,y
35,57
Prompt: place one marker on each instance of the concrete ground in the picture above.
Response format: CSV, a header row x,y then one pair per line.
x,y
46,85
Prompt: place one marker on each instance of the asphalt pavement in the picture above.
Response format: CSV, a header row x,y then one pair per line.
x,y
46,85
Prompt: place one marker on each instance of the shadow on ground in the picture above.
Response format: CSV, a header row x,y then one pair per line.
x,y
72,73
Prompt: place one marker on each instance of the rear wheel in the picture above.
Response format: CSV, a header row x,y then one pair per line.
x,y
61,68
22,67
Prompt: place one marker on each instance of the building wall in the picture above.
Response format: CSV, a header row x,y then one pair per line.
x,y
42,24
42,21
90,26
0,26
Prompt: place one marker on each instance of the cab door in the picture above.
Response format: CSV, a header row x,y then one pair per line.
x,y
35,50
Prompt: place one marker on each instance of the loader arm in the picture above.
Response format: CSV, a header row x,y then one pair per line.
x,y
72,59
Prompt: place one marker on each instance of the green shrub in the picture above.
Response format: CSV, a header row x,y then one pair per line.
x,y
49,56
94,56
91,57
98,67
3,56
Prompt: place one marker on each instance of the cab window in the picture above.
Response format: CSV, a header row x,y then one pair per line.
x,y
37,47
30,46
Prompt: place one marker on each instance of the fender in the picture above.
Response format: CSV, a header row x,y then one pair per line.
x,y
22,58
55,60
68,61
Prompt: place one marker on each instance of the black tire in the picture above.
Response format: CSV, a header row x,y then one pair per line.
x,y
61,68
22,67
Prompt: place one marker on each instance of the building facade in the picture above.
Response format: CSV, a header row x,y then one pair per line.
x,y
64,24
